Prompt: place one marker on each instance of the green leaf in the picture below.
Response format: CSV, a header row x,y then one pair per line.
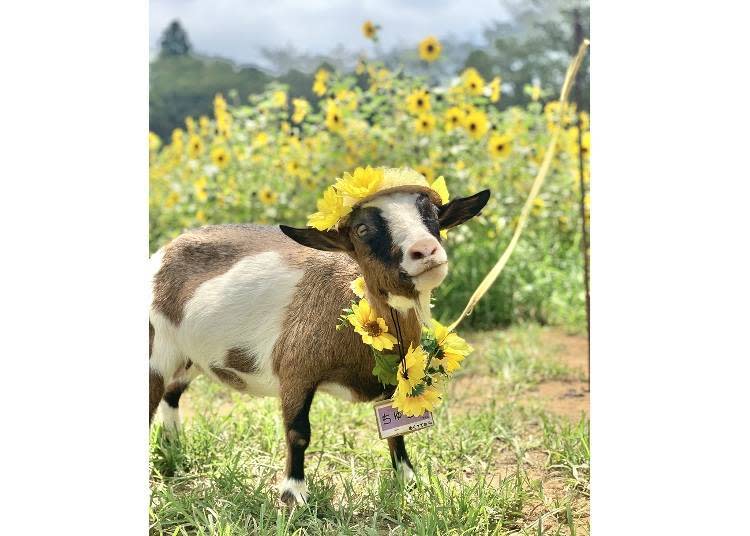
x,y
386,366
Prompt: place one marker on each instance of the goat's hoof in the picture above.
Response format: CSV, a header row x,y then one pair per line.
x,y
293,492
406,473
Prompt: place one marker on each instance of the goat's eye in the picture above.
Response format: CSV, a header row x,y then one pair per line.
x,y
361,230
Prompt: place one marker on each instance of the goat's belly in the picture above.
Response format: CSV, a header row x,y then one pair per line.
x,y
232,322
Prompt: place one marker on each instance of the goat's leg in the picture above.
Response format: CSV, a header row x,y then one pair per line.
x,y
155,391
295,405
163,360
170,404
400,458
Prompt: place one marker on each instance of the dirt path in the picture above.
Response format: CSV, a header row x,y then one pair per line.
x,y
567,398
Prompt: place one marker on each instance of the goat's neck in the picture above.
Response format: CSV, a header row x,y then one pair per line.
x,y
408,312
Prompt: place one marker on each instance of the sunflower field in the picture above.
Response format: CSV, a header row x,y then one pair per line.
x,y
266,158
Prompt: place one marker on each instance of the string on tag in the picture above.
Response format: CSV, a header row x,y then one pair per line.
x,y
401,354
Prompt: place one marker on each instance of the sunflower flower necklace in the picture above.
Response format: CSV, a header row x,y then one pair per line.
x,y
419,374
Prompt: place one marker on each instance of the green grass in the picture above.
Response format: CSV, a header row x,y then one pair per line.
x,y
497,461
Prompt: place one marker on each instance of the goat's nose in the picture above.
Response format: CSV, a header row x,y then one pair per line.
x,y
423,248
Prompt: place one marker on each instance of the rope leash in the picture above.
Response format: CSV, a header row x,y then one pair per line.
x,y
493,274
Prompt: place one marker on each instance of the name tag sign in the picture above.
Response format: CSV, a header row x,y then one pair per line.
x,y
391,422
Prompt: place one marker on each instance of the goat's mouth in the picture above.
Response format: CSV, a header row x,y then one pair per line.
x,y
430,277
429,267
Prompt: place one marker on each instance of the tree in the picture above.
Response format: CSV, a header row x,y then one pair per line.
x,y
174,41
535,46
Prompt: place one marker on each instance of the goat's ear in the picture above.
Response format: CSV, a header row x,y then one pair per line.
x,y
323,240
462,209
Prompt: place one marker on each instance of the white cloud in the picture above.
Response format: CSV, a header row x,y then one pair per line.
x,y
238,29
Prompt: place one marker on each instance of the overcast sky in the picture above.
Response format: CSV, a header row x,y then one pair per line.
x,y
238,29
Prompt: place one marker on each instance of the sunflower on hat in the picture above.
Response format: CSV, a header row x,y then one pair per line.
x,y
353,189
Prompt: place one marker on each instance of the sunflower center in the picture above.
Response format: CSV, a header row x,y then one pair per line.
x,y
372,329
500,147
420,102
430,48
473,126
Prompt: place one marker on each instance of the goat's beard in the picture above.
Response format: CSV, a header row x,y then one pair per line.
x,y
423,308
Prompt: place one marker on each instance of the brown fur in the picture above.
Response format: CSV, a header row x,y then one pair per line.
x,y
150,339
229,377
241,360
328,355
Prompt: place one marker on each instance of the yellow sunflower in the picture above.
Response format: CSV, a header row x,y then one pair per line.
x,y
426,171
418,101
319,85
369,30
358,185
205,124
476,124
429,49
334,118
220,105
441,188
495,89
347,99
537,205
411,376
358,287
473,81
154,142
583,120
260,139
330,210
451,348
301,107
279,99
267,196
499,145
535,92
293,168
195,146
425,123
220,157
454,118
417,404
372,328
199,186
319,88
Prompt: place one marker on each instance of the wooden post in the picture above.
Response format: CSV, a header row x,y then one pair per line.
x,y
578,37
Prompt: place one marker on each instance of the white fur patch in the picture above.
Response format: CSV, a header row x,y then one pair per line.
x,y
243,307
401,303
298,489
406,471
336,390
165,357
170,417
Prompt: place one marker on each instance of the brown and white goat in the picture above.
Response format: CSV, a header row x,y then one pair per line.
x,y
256,307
